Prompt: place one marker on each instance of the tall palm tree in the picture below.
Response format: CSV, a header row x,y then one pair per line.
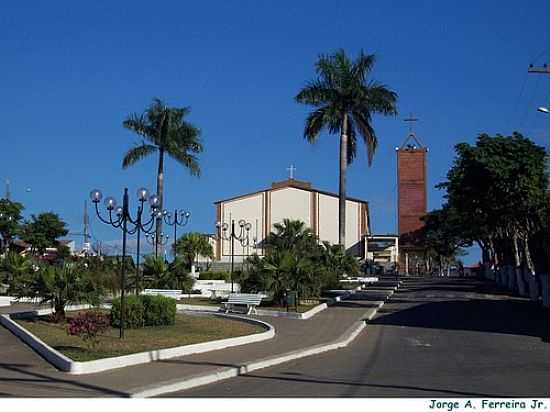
x,y
344,101
164,130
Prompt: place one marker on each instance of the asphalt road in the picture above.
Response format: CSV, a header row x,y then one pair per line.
x,y
435,338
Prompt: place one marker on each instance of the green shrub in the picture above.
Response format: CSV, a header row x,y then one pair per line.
x,y
159,310
145,310
134,312
215,276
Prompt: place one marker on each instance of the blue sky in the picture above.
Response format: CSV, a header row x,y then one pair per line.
x,y
71,73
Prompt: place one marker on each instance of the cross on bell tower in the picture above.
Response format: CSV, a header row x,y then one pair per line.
x,y
412,142
411,120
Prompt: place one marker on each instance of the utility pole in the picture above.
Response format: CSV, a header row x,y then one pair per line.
x,y
8,192
544,69
87,245
540,70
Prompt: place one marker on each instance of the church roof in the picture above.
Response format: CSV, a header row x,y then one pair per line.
x,y
290,183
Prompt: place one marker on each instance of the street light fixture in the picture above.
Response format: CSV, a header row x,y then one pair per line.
x,y
544,110
122,220
179,218
152,240
243,237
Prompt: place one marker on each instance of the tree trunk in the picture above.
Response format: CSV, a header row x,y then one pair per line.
x,y
520,284
527,254
342,188
59,311
160,194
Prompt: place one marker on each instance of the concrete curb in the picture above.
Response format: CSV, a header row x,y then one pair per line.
x,y
197,308
260,312
226,373
293,315
66,364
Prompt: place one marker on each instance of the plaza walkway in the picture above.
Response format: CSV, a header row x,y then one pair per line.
x,y
435,338
23,373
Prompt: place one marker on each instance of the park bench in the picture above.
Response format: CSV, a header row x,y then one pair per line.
x,y
250,300
176,294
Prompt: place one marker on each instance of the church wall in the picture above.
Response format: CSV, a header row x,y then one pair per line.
x,y
250,209
356,222
328,218
352,226
319,211
290,203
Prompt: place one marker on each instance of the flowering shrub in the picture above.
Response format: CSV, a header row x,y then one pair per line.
x,y
88,325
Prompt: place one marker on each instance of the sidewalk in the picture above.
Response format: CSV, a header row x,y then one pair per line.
x,y
24,373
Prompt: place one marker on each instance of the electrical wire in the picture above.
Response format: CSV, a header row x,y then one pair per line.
x,y
528,108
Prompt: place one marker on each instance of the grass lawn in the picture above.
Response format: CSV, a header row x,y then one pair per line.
x,y
188,329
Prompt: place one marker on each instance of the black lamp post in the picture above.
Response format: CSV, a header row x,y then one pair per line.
x,y
179,218
152,240
121,221
243,237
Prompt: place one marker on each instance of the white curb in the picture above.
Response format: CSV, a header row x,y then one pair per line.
x,y
226,373
293,315
260,312
66,364
197,308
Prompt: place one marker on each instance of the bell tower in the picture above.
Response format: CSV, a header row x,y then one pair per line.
x,y
412,199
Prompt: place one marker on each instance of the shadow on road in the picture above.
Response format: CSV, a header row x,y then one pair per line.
x,y
415,391
30,380
497,316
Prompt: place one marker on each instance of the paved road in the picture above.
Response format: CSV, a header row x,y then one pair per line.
x,y
436,338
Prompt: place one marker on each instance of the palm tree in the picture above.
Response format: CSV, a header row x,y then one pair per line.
x,y
192,245
290,234
344,101
165,131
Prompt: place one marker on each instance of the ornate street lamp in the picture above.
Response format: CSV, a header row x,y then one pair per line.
x,y
123,220
179,218
152,240
243,237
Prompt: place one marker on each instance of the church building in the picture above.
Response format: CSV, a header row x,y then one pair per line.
x,y
295,200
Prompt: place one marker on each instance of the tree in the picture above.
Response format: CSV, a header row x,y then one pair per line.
x,y
43,231
344,102
163,275
498,188
57,285
336,263
192,245
442,235
10,218
14,266
165,131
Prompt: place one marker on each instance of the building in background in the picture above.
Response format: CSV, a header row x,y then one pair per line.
x,y
382,251
296,200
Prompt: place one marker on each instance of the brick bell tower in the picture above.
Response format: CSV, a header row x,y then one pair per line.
x,y
412,199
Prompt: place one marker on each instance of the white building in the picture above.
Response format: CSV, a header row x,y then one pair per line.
x,y
296,200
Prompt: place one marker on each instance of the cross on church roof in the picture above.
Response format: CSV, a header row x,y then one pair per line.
x,y
291,170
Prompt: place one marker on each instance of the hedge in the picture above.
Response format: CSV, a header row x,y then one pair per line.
x,y
215,276
144,310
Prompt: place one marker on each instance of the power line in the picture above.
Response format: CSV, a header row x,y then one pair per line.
x,y
516,106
